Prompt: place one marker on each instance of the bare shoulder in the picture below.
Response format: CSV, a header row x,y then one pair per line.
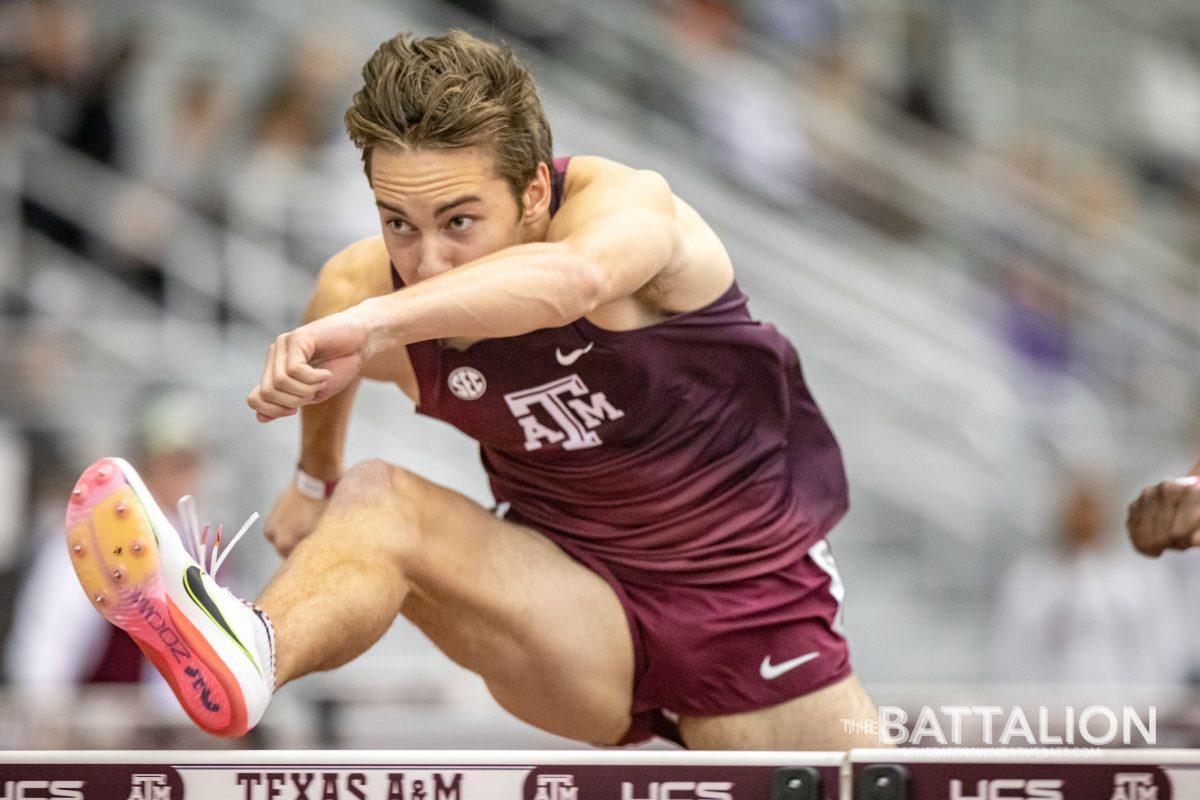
x,y
355,273
588,167
585,171
700,269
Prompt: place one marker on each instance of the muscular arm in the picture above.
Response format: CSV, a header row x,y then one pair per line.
x,y
608,240
616,233
353,275
359,272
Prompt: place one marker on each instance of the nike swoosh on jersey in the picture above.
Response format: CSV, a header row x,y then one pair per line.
x,y
771,671
571,357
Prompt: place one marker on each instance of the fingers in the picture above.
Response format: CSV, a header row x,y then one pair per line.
x,y
1185,526
1159,513
294,363
288,380
264,410
283,380
1141,532
1171,495
277,386
282,544
1166,516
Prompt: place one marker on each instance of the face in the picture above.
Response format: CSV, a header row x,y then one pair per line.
x,y
443,208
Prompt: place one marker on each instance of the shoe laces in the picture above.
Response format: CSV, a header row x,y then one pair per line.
x,y
196,537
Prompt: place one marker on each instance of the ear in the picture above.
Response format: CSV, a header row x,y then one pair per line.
x,y
536,197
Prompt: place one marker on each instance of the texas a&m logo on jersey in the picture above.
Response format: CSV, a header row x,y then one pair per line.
x,y
561,411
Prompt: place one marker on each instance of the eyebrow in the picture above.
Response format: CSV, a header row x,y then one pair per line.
x,y
442,209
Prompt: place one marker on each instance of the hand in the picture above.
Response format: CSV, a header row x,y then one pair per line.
x,y
309,365
292,519
1166,517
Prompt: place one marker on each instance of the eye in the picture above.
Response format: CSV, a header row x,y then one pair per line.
x,y
398,226
461,223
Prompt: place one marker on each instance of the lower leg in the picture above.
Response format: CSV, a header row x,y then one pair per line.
x,y
342,587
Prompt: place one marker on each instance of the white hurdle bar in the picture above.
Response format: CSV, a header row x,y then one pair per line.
x,y
905,774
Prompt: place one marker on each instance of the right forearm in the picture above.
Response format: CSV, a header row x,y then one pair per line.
x,y
353,275
323,434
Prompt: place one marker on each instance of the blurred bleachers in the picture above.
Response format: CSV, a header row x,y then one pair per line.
x,y
952,209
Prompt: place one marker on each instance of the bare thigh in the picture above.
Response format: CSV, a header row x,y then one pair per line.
x,y
548,635
812,722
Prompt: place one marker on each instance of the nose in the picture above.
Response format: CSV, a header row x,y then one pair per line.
x,y
435,257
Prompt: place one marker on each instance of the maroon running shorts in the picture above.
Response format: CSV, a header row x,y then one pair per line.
x,y
708,650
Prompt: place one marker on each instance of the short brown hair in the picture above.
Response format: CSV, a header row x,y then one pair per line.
x,y
452,91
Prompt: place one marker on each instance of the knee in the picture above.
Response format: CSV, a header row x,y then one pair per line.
x,y
387,496
370,474
378,478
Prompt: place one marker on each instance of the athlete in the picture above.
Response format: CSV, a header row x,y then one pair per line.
x,y
1166,516
668,481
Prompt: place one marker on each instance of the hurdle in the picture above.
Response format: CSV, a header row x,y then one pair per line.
x,y
904,774
416,775
1021,774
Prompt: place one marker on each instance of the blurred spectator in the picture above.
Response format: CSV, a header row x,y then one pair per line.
x,y
755,130
299,195
842,173
1090,611
72,82
1031,155
1036,324
15,479
189,161
256,140
300,113
1104,200
13,62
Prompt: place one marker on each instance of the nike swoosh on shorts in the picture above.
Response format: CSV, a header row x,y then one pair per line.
x,y
771,671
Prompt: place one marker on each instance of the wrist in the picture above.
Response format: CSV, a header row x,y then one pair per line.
x,y
366,315
320,460
311,486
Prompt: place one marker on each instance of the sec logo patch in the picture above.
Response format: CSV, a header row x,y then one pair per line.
x,y
467,383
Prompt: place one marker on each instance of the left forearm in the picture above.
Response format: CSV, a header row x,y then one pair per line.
x,y
514,291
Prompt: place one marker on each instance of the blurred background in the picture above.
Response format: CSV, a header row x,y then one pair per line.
x,y
978,220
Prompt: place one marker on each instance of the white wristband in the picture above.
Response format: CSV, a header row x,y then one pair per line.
x,y
311,487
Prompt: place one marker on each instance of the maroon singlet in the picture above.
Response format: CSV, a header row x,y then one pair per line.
x,y
690,449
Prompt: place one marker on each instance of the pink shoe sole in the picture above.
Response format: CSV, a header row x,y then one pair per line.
x,y
115,553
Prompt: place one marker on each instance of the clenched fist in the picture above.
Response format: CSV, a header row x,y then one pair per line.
x,y
310,364
292,519
1166,516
